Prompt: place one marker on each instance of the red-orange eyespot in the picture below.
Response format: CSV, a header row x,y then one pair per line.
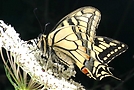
x,y
85,71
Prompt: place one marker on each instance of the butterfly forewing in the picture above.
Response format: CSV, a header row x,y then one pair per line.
x,y
85,18
76,30
107,49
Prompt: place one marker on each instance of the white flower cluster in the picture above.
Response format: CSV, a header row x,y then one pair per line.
x,y
27,60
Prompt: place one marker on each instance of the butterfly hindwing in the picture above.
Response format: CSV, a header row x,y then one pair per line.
x,y
95,69
107,49
80,51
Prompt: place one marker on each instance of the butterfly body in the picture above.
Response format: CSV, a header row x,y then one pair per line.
x,y
74,41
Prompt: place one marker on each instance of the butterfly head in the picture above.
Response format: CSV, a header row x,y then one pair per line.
x,y
42,43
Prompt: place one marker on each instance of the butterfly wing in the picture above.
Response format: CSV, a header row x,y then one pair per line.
x,y
86,18
106,49
74,31
79,51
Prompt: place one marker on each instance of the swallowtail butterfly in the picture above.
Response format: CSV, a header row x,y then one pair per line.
x,y
74,38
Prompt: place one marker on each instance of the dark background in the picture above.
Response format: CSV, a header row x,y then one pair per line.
x,y
117,22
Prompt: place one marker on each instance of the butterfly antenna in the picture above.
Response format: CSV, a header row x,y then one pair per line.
x,y
37,19
46,27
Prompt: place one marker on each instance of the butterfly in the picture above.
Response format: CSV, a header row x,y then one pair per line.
x,y
73,41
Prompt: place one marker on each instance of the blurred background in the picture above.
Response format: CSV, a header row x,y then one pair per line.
x,y
117,22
